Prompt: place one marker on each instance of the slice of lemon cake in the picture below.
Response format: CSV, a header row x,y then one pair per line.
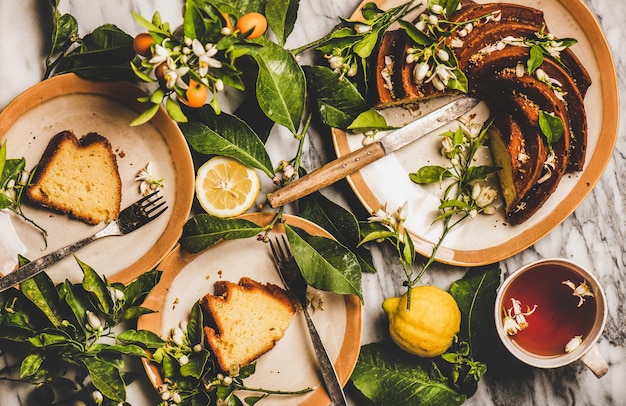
x,y
248,319
79,178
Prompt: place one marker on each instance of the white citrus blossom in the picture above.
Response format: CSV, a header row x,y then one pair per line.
x,y
581,291
483,195
173,75
205,56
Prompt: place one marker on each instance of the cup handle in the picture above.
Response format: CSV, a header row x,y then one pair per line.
x,y
594,361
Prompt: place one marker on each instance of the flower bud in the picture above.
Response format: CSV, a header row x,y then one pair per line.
x,y
183,360
176,398
93,320
420,71
433,20
97,397
443,55
436,9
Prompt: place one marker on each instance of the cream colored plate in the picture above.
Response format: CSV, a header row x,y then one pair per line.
x,y
291,365
489,239
68,102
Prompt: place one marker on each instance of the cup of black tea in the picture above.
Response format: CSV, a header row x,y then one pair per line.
x,y
550,313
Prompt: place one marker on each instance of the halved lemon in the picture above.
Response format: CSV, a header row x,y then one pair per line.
x,y
225,187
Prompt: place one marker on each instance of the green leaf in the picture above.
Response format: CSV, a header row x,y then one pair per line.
x,y
325,264
93,284
64,30
3,159
551,127
338,101
30,364
388,376
144,338
174,111
416,35
369,120
136,291
281,17
204,230
480,172
535,60
146,115
78,303
280,85
196,367
126,349
106,378
227,135
105,54
339,222
195,325
475,294
429,174
41,291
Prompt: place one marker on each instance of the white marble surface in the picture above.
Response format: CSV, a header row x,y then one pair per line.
x,y
593,236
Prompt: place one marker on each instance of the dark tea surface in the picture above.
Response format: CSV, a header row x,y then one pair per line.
x,y
557,318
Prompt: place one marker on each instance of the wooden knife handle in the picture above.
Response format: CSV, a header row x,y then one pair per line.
x,y
326,175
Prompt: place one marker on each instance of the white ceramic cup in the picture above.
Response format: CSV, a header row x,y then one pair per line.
x,y
587,351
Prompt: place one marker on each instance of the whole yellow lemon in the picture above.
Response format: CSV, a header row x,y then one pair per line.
x,y
429,326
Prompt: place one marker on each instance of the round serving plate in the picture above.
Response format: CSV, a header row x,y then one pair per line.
x,y
68,102
489,239
291,365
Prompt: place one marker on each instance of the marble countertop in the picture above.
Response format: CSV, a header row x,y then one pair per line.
x,y
592,236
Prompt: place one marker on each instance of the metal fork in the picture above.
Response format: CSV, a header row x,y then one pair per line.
x,y
131,218
294,282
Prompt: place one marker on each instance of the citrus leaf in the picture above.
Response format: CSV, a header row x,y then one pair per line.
x,y
204,230
338,101
325,264
280,85
30,365
388,376
341,223
227,136
41,291
144,338
106,378
475,294
281,17
93,284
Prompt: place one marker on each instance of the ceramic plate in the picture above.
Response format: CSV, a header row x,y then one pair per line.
x,y
68,102
488,239
291,364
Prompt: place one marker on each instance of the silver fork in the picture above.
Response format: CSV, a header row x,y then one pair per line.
x,y
131,218
294,282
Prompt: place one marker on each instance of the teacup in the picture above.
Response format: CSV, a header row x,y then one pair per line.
x,y
550,313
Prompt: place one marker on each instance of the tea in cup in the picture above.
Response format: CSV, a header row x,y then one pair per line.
x,y
550,313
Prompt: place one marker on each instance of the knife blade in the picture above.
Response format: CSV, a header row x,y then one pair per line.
x,y
339,168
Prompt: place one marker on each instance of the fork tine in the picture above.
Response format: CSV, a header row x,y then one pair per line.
x,y
150,202
150,209
147,197
159,213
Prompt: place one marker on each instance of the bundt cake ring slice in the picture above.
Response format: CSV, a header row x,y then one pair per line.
x,y
510,64
79,178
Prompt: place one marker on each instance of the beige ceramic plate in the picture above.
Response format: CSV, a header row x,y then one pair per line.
x,y
291,365
488,239
68,102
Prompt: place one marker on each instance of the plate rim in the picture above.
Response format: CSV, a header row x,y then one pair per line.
x,y
126,94
587,180
177,259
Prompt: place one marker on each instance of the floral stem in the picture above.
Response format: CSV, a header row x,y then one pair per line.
x,y
277,392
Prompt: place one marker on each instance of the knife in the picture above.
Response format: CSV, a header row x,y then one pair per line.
x,y
355,160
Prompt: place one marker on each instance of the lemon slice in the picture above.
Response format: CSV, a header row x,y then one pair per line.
x,y
225,187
